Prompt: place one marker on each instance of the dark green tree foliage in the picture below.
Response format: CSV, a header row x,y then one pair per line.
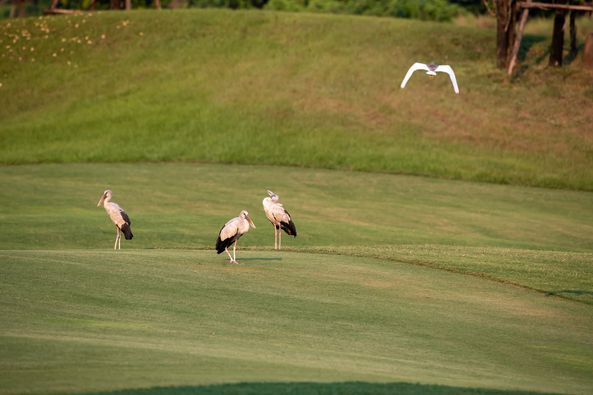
x,y
436,10
233,4
474,6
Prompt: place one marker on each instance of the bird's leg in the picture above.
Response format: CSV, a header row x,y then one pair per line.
x,y
275,237
116,237
235,251
119,241
279,239
229,254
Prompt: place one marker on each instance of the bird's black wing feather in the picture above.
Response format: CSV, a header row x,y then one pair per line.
x,y
289,227
126,228
222,244
126,218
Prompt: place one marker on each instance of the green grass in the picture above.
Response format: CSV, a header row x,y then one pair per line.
x,y
298,388
289,89
77,320
389,281
395,284
537,238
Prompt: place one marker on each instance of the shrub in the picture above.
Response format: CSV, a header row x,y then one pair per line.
x,y
436,10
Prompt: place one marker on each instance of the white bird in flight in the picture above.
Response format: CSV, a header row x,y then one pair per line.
x,y
231,232
432,70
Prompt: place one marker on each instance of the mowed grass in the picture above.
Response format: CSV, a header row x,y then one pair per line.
x,y
76,321
394,283
536,238
290,89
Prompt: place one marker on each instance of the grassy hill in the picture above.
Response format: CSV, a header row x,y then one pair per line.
x,y
76,321
289,89
392,279
395,284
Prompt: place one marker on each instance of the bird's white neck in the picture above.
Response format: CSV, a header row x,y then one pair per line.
x,y
270,202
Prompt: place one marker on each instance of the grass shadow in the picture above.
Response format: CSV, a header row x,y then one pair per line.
x,y
572,54
570,293
528,41
260,259
312,388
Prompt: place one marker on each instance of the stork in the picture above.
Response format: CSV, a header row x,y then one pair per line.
x,y
231,232
279,217
118,217
431,70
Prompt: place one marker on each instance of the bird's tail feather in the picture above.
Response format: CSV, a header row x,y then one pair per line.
x,y
222,244
219,246
289,228
127,231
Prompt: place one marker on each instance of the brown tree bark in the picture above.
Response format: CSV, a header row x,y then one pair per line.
x,y
518,38
13,9
506,16
501,39
22,9
557,39
588,51
573,33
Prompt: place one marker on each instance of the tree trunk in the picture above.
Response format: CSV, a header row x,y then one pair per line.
x,y
501,34
13,9
518,38
557,39
512,30
53,5
505,31
573,33
588,51
22,9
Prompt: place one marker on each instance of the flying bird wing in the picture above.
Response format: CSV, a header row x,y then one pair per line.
x,y
447,69
414,67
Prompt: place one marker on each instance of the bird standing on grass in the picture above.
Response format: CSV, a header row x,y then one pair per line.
x,y
118,217
279,217
231,232
431,70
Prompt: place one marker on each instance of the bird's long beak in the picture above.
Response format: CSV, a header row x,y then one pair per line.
x,y
101,200
250,222
271,193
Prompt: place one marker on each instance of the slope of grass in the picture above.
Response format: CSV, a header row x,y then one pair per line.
x,y
308,388
536,238
77,320
289,89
